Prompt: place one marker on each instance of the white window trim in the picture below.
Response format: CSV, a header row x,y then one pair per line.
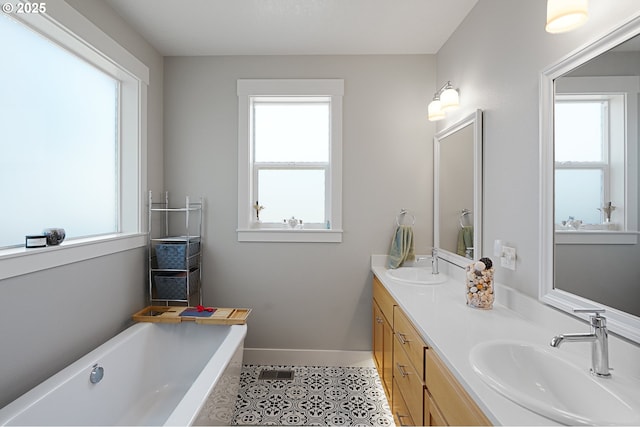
x,y
64,25
19,261
595,237
247,229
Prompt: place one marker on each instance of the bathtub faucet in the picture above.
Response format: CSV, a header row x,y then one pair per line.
x,y
599,338
96,374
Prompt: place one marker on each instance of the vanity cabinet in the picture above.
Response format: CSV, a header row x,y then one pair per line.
x,y
449,402
420,388
408,363
383,305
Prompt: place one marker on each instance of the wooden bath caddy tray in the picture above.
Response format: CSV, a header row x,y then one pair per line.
x,y
172,314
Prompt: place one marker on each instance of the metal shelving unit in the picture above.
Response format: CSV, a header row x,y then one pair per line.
x,y
175,251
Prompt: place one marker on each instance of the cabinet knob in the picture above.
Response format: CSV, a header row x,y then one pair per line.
x,y
379,319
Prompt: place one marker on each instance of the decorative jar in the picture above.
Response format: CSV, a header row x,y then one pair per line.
x,y
479,284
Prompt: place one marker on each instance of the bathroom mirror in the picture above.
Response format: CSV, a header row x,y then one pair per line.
x,y
458,190
589,119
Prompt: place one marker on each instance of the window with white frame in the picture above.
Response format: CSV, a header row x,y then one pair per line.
x,y
73,140
589,160
59,146
290,160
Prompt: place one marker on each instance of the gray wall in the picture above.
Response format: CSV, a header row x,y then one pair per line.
x,y
53,317
605,273
495,57
304,295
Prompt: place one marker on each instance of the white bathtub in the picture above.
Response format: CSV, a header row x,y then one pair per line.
x,y
154,374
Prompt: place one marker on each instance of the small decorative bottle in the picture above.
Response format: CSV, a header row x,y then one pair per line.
x,y
480,284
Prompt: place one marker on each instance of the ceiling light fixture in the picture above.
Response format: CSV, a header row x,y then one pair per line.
x,y
445,99
566,15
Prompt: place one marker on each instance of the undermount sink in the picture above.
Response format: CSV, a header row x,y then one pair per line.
x,y
416,275
545,383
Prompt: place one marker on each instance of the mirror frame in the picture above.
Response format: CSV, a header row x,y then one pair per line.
x,y
475,120
619,322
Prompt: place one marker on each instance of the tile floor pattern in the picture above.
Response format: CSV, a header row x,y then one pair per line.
x,y
317,396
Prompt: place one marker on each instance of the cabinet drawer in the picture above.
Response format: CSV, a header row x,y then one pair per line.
x,y
401,414
409,339
409,381
457,407
432,415
384,299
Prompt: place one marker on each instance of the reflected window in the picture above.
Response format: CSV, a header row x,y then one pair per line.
x,y
589,137
578,203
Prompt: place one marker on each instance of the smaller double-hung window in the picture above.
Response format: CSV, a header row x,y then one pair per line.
x,y
290,160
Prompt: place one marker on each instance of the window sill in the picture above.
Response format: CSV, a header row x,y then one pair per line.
x,y
284,235
596,237
19,261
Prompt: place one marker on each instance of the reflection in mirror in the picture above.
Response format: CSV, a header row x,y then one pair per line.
x,y
589,176
456,199
458,190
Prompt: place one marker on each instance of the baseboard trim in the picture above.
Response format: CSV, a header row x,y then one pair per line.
x,y
297,357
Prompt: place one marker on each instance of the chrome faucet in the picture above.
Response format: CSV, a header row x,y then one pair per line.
x,y
599,338
434,261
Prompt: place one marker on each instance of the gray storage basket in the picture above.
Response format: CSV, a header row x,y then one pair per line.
x,y
174,255
173,286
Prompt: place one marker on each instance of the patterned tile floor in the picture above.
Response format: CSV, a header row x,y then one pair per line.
x,y
317,396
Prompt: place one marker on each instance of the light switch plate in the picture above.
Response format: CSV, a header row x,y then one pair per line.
x,y
508,258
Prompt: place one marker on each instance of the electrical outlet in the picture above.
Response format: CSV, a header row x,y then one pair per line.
x,y
508,258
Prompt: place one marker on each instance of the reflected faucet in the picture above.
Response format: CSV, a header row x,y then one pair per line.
x,y
434,261
599,338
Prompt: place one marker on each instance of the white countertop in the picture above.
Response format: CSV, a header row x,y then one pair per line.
x,y
452,329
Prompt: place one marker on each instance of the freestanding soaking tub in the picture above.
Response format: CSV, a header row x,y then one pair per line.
x,y
150,374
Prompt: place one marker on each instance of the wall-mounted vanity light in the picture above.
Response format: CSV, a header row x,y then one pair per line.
x,y
445,99
566,15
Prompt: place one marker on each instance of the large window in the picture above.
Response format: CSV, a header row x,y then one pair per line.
x,y
289,160
59,121
73,147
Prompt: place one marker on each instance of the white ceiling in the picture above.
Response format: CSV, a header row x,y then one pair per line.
x,y
294,27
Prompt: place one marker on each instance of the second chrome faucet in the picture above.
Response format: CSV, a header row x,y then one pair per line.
x,y
599,338
434,261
